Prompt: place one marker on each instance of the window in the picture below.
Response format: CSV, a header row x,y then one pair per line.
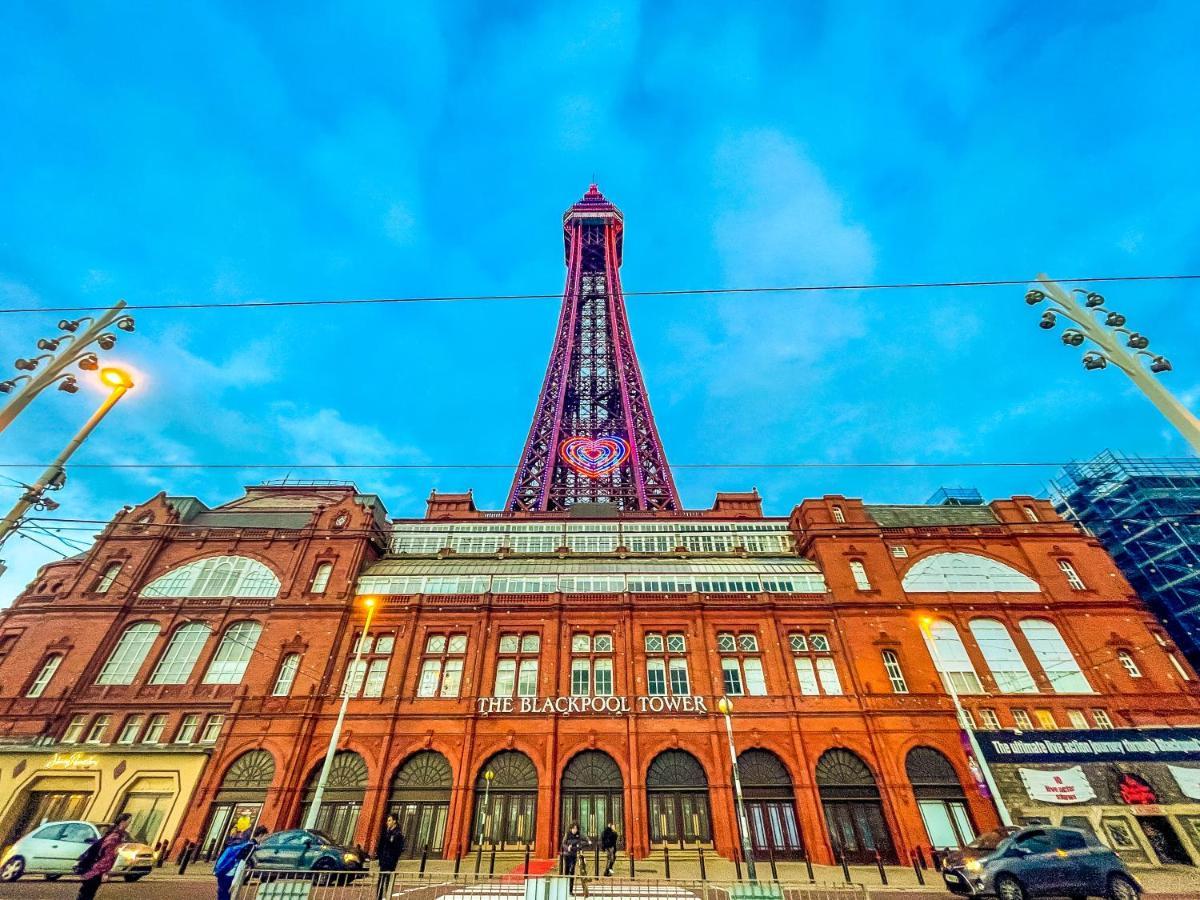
x,y
1002,656
517,667
6,645
991,721
839,514
74,730
859,571
899,551
216,576
442,665
815,668
1045,718
1077,718
287,675
950,657
1183,673
969,572
1030,513
212,729
1054,655
968,720
365,677
1073,578
45,673
741,667
233,653
666,665
1100,717
129,654
95,734
591,665
895,674
187,729
131,729
175,666
1128,662
320,579
106,579
154,729
1021,720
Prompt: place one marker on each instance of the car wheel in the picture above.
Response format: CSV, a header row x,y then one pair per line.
x,y
13,869
1121,888
134,877
1008,888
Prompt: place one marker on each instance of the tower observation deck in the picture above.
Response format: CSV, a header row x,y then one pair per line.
x,y
593,438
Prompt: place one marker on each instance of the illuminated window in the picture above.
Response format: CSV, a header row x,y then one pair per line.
x,y
815,668
1055,656
859,571
366,677
45,673
895,674
175,666
216,576
666,665
287,675
442,665
187,729
965,572
1073,578
127,657
741,666
154,729
233,653
517,667
1045,718
1128,662
591,665
320,579
839,514
1031,513
1002,657
105,581
952,660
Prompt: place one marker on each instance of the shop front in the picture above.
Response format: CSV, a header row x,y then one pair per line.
x,y
1136,789
97,784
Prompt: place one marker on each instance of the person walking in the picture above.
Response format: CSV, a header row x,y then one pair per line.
x,y
97,861
571,846
237,849
608,843
388,850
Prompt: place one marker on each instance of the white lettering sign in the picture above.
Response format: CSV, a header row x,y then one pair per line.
x,y
575,706
1064,786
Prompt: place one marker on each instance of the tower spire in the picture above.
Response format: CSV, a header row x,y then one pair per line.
x,y
593,438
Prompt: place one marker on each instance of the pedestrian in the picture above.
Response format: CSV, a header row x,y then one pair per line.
x,y
237,850
388,850
572,844
608,843
98,859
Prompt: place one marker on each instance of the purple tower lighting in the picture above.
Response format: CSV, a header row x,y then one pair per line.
x,y
593,438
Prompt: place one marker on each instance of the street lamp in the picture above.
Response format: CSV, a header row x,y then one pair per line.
x,y
55,476
310,820
725,706
71,346
1104,334
965,724
485,819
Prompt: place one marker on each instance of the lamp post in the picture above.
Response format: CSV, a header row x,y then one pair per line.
x,y
965,723
310,820
1104,335
71,346
726,707
485,819
55,476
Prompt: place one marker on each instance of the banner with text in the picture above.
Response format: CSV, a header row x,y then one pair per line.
x,y
1065,786
1091,745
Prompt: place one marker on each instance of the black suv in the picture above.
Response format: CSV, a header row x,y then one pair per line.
x,y
1038,861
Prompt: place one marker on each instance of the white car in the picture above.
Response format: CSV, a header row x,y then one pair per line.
x,y
53,848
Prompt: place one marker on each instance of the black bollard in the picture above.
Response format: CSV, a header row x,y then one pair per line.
x,y
185,857
667,861
527,847
845,868
737,864
632,871
808,865
771,857
917,869
424,859
703,871
921,857
457,863
492,861
879,865
479,858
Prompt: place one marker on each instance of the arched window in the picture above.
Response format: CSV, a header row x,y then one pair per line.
x,y
129,654
951,658
420,801
891,662
38,686
175,666
233,653
321,578
105,581
216,576
287,675
853,810
940,798
1129,663
965,572
1055,656
1003,658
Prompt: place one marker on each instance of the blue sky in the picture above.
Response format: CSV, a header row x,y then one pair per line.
x,y
222,152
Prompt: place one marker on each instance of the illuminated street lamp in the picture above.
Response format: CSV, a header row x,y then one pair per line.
x,y
1104,334
55,476
485,819
725,706
965,723
310,820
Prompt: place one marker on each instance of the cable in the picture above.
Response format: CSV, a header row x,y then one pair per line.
x,y
428,466
675,292
30,537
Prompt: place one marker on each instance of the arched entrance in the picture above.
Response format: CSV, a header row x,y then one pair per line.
x,y
240,798
505,812
853,810
677,798
593,794
770,805
343,797
940,797
420,801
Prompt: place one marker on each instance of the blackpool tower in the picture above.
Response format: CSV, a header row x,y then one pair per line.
x,y
593,438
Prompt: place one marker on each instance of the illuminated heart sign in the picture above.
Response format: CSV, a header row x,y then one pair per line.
x,y
594,457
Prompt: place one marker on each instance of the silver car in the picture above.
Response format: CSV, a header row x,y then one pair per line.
x,y
53,848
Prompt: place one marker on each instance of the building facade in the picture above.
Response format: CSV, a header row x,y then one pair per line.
x,y
560,660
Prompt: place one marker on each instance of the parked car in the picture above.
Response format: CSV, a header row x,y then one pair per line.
x,y
306,849
53,848
1038,861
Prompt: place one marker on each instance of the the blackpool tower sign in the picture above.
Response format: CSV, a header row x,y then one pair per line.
x,y
568,706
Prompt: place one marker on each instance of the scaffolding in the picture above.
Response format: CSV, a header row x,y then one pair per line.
x,y
1146,514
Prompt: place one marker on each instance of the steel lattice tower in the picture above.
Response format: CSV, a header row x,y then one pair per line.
x,y
593,438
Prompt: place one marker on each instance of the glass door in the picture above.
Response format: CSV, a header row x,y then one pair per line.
x,y
423,825
592,811
859,831
773,829
679,818
510,821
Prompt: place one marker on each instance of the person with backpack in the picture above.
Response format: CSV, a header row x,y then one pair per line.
x,y
572,846
236,850
98,859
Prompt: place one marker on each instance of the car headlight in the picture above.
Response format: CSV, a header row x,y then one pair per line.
x,y
348,857
974,865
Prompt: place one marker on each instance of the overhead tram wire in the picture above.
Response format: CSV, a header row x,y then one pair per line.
x,y
669,292
808,464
